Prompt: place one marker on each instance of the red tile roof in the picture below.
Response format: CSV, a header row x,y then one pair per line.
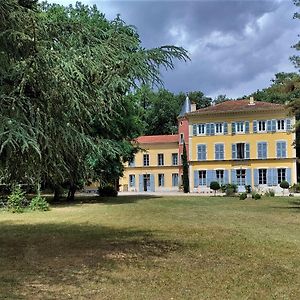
x,y
238,106
156,139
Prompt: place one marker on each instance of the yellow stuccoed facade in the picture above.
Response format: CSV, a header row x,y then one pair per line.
x,y
250,145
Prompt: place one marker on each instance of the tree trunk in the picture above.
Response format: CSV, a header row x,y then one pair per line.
x,y
71,193
57,194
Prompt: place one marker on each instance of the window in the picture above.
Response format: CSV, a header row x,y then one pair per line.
x,y
239,127
161,179
160,159
219,151
175,179
261,126
146,160
262,176
174,159
280,125
201,129
281,175
132,180
181,138
202,178
281,149
202,152
220,176
241,177
219,128
240,148
262,150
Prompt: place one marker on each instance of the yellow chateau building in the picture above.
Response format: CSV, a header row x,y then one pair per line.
x,y
242,142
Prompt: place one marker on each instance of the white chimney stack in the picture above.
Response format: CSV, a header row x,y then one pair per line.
x,y
251,102
193,106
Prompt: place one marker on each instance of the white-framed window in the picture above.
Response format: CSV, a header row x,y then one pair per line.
x,y
261,126
160,159
218,128
175,179
201,129
220,176
131,162
239,127
161,179
174,159
262,176
132,180
281,175
181,138
146,160
281,125
202,178
241,177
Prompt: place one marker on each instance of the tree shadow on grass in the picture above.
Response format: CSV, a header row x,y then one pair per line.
x,y
105,200
45,258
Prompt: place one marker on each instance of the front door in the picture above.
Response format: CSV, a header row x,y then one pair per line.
x,y
241,180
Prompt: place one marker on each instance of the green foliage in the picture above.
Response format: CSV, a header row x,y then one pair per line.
x,y
16,201
248,188
295,188
243,196
229,189
215,186
256,196
270,193
107,191
39,203
185,170
284,184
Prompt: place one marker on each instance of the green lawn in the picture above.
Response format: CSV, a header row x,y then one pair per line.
x,y
153,248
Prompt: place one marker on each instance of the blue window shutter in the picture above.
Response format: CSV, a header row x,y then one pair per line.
x,y
233,176
233,148
254,126
275,177
288,175
203,152
152,188
225,125
265,150
248,177
196,179
247,151
269,126
259,150
207,129
141,183
233,127
288,125
246,127
270,177
283,149
273,125
194,129
217,151
199,152
209,177
133,180
278,149
255,173
212,129
226,179
221,151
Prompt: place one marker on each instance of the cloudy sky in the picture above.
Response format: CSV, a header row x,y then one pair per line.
x,y
236,47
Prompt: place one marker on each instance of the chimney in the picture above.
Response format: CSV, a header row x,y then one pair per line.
x,y
251,102
193,106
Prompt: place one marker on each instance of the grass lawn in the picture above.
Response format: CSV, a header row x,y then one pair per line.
x,y
153,248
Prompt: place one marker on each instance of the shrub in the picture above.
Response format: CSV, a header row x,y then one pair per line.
x,y
295,188
243,196
16,201
229,189
214,185
270,193
284,184
107,191
256,196
39,203
248,189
